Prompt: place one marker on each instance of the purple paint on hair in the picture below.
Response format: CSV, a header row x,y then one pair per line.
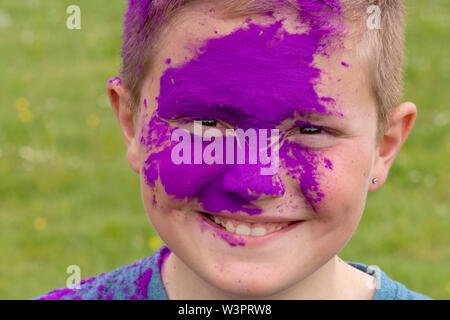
x,y
115,80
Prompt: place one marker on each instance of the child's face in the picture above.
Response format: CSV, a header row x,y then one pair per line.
x,y
326,159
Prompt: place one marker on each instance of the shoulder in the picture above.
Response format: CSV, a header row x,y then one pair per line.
x,y
138,281
386,288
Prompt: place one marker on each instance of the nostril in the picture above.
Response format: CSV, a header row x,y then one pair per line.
x,y
233,184
247,182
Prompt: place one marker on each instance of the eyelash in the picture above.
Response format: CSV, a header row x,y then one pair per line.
x,y
321,129
208,120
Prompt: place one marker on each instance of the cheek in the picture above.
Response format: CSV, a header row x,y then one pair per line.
x,y
169,183
309,170
345,187
170,169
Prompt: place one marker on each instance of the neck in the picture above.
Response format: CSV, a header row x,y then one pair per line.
x,y
333,280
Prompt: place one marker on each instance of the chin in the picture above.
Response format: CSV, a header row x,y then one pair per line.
x,y
247,284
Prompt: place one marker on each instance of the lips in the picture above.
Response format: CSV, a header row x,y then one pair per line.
x,y
250,226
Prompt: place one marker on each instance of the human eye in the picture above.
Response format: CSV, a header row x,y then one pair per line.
x,y
208,122
310,130
312,135
207,126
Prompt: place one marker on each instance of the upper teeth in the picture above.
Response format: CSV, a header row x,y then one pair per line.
x,y
246,229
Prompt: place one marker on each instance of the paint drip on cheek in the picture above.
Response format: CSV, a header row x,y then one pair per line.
x,y
255,77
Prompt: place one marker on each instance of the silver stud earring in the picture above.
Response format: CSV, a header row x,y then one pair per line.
x,y
374,180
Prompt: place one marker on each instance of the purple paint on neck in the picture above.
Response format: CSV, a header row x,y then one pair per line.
x,y
164,254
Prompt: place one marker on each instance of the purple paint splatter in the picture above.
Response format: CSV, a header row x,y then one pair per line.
x,y
115,80
142,285
328,164
252,78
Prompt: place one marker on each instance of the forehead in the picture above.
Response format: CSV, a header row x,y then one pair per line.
x,y
269,60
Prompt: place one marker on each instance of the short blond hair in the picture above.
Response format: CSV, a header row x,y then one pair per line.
x,y
382,48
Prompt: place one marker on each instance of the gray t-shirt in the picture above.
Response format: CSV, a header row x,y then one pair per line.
x,y
142,281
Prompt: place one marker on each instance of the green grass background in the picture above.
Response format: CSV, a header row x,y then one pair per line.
x,y
68,196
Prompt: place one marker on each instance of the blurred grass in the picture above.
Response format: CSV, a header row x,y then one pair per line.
x,y
68,196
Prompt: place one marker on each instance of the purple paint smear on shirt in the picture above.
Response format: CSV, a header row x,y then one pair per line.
x,y
58,294
142,285
255,77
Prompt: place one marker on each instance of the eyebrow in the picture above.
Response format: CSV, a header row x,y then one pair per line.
x,y
310,115
214,109
235,115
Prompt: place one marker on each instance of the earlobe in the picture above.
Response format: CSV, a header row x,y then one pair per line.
x,y
400,124
119,97
133,156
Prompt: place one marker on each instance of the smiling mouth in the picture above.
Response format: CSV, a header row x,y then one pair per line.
x,y
246,228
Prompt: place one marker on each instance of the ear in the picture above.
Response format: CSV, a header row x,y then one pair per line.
x,y
118,97
400,124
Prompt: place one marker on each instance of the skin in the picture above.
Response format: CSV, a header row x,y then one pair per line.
x,y
302,263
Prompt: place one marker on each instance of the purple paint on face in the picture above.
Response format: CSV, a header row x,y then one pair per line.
x,y
263,74
255,77
143,122
345,64
168,60
230,239
202,180
328,163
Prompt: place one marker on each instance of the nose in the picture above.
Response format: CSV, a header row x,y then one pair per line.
x,y
248,183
